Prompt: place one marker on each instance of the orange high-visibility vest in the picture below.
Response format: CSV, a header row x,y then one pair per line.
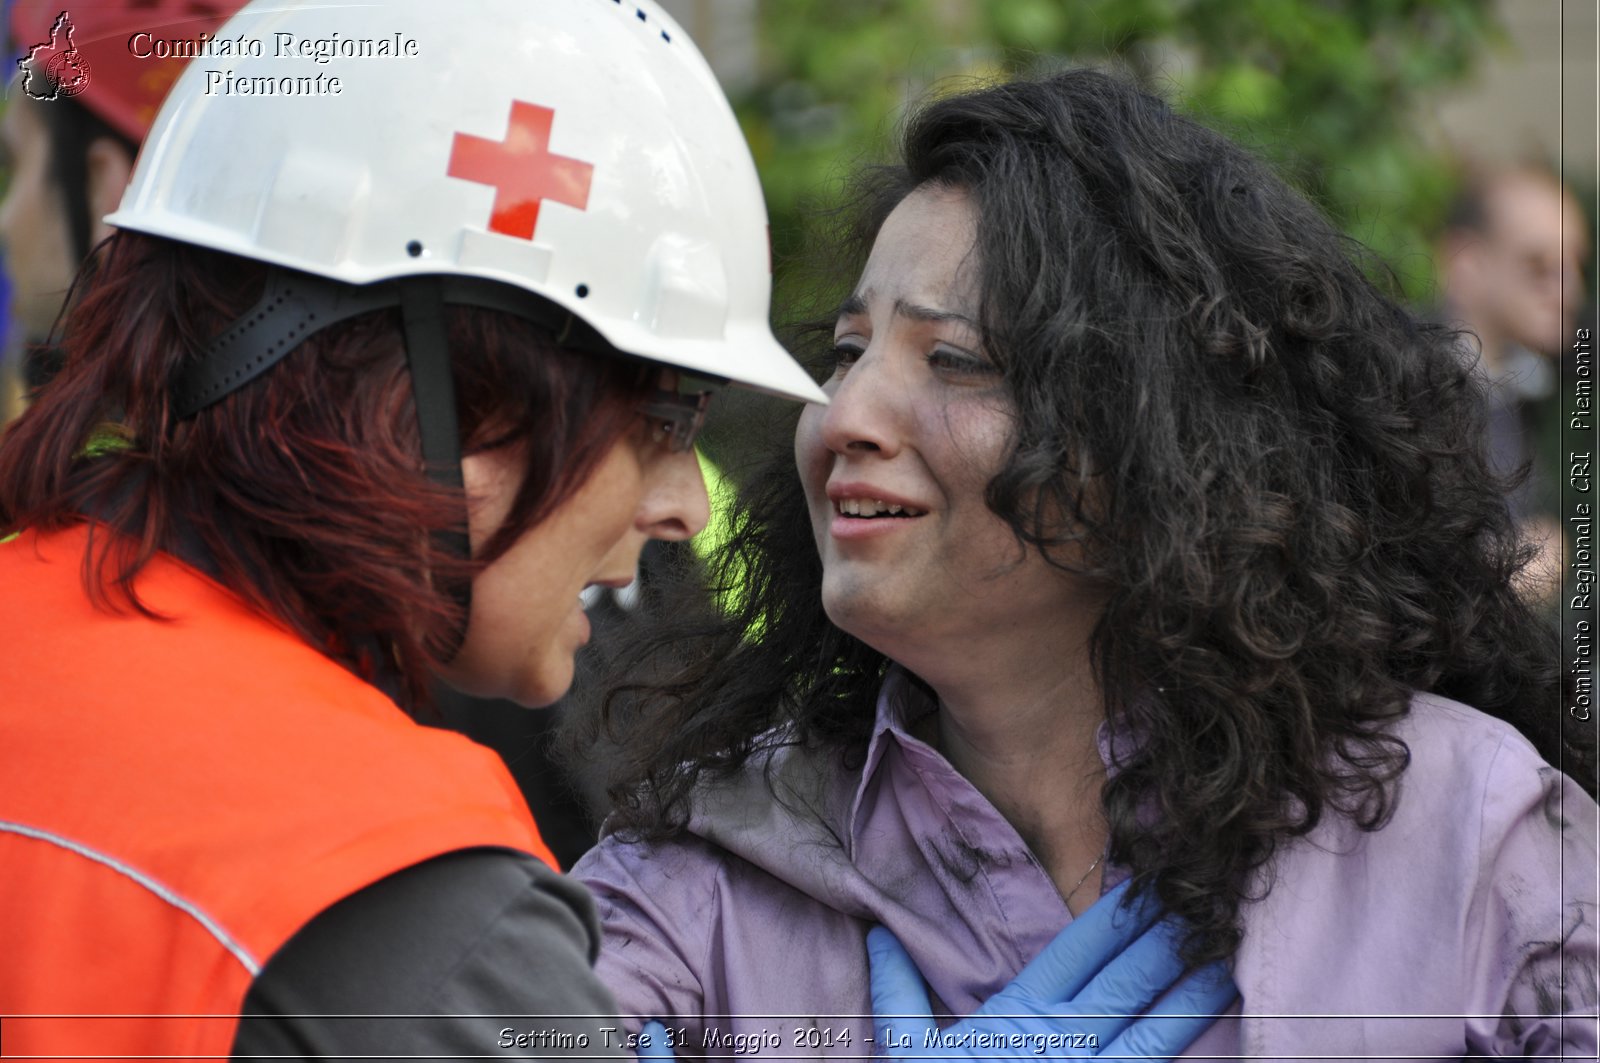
x,y
179,796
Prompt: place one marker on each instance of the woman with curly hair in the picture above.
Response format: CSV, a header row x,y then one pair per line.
x,y
1144,539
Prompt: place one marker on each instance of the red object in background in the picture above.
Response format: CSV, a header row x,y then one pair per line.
x,y
122,89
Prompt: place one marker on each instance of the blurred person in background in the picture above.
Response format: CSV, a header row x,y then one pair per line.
x,y
69,146
1510,265
1144,540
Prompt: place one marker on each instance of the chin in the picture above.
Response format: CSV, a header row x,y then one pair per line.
x,y
539,697
537,690
541,690
861,616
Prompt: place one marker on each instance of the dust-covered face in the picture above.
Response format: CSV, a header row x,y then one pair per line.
x,y
895,467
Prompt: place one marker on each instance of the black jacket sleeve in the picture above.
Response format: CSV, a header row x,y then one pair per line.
x,y
483,952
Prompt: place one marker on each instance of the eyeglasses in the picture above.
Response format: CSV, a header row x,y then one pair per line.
x,y
678,418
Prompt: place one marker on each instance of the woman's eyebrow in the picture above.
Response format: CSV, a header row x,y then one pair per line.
x,y
918,312
857,304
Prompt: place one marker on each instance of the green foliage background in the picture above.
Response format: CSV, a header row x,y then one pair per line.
x,y
1326,88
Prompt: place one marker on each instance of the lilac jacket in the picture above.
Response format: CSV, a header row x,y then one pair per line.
x,y
1467,924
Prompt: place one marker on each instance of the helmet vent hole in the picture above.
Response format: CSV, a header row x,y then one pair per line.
x,y
640,12
666,36
414,248
583,291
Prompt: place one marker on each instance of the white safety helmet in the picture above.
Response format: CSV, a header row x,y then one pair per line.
x,y
580,150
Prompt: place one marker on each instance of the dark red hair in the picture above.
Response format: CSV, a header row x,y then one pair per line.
x,y
303,491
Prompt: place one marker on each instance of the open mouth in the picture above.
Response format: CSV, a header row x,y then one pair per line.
x,y
622,590
872,508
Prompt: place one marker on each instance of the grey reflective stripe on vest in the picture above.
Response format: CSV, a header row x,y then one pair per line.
x,y
189,909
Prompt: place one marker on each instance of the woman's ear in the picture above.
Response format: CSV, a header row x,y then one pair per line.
x,y
107,173
492,479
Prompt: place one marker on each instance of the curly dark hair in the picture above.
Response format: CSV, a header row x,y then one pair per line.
x,y
1272,470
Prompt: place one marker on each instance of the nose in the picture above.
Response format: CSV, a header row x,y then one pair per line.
x,y
674,505
862,416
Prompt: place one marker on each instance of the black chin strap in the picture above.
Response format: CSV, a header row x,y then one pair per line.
x,y
294,306
434,392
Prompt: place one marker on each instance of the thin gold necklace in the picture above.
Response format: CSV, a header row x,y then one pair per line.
x,y
928,725
1073,892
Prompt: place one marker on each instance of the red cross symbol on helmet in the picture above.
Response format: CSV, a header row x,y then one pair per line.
x,y
521,170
